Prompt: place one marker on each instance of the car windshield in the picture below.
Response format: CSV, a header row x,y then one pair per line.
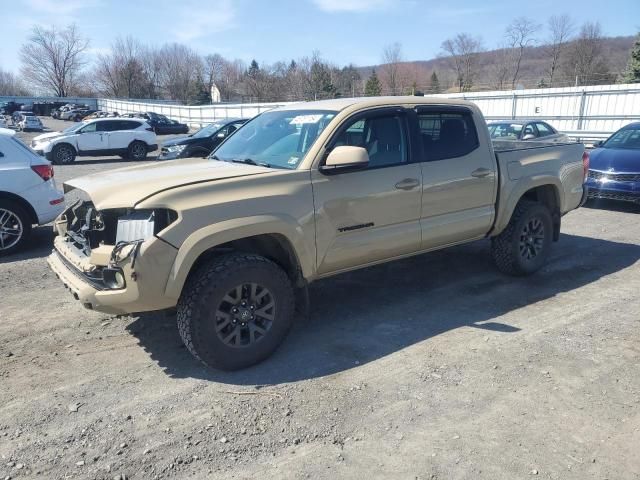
x,y
277,139
208,130
505,130
628,138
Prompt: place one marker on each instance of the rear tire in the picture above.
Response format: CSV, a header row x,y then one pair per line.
x,y
235,310
137,150
63,154
15,227
524,246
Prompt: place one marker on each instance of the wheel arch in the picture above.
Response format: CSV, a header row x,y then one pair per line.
x,y
272,238
23,203
545,190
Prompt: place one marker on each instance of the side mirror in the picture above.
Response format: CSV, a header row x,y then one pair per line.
x,y
529,136
599,143
345,158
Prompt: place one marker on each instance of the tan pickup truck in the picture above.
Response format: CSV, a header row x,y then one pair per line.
x,y
300,193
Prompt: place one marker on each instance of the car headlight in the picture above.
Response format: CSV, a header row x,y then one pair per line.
x,y
176,148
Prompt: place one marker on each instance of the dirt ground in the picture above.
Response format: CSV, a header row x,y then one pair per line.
x,y
435,367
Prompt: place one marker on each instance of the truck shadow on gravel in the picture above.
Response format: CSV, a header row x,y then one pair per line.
x,y
365,315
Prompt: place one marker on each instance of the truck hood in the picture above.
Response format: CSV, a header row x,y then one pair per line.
x,y
125,187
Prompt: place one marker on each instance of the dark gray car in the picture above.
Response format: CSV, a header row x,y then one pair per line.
x,y
526,130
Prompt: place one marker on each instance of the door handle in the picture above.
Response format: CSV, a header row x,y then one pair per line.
x,y
407,184
481,172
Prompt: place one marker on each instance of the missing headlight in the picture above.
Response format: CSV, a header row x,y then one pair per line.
x,y
143,224
137,225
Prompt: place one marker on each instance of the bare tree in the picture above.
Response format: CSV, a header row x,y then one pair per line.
x,y
462,51
501,65
391,59
10,84
121,73
520,34
181,71
560,28
52,59
585,59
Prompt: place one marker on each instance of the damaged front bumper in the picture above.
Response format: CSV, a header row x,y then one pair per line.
x,y
111,277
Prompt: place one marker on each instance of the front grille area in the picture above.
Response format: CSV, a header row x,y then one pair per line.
x,y
615,177
625,197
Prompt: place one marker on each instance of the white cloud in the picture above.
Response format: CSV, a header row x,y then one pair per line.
x,y
352,5
194,21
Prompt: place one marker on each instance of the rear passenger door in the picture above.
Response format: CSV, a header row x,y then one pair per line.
x,y
120,133
459,179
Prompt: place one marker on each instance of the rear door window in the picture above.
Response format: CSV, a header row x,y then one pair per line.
x,y
446,133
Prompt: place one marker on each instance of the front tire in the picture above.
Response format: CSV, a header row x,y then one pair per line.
x,y
137,151
63,154
524,246
15,227
235,311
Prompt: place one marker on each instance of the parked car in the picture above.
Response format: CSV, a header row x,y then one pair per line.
x,y
18,115
73,114
201,143
30,122
7,108
28,192
165,126
3,122
526,130
614,172
128,138
65,109
300,193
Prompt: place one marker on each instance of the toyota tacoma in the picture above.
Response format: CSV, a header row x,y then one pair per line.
x,y
300,193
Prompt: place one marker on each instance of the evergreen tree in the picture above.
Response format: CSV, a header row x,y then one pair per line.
x,y
632,74
254,69
372,88
435,83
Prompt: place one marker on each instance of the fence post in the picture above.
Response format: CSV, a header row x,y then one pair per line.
x,y
581,111
514,106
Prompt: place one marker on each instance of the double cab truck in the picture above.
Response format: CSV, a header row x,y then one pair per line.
x,y
301,193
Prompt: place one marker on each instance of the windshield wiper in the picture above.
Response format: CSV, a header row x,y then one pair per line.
x,y
213,157
249,161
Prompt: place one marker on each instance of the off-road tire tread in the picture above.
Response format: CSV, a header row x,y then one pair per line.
x,y
208,275
502,244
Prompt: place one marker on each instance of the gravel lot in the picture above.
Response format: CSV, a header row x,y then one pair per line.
x,y
435,367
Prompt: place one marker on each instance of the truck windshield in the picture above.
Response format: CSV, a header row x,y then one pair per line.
x,y
278,139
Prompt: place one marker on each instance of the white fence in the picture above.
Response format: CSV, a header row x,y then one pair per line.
x,y
194,116
598,110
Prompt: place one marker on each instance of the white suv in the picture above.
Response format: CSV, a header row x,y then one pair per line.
x,y
28,193
30,122
130,138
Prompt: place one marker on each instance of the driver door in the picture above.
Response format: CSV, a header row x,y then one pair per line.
x,y
93,138
371,214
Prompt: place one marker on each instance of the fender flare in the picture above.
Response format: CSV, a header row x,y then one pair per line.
x,y
507,205
235,229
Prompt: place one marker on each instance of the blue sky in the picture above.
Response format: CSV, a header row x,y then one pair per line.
x,y
343,31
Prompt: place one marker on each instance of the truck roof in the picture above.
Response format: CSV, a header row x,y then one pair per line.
x,y
338,104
